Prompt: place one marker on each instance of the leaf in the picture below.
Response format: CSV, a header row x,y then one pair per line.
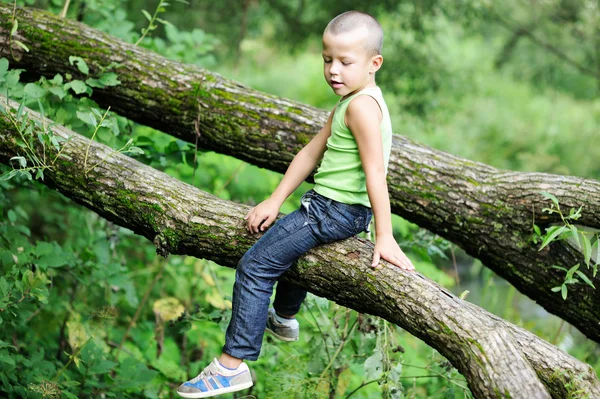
x,y
76,333
4,286
563,291
5,358
68,394
56,80
587,249
168,309
551,234
80,63
34,91
550,197
135,150
78,86
93,83
22,161
14,27
44,248
86,117
12,216
575,214
3,67
147,15
58,92
585,278
169,369
9,175
216,300
22,45
597,245
556,289
575,234
571,272
101,367
110,79
374,365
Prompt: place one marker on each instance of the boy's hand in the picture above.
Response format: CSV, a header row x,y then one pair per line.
x,y
262,216
388,249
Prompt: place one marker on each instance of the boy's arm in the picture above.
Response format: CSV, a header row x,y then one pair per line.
x,y
262,216
363,118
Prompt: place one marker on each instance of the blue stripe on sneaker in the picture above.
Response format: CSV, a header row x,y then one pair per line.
x,y
198,385
224,381
213,383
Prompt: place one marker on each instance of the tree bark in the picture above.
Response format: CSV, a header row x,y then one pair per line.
x,y
487,212
497,358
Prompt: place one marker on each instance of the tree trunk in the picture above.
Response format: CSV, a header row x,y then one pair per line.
x,y
498,359
487,212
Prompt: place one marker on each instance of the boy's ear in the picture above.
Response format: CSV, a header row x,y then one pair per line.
x,y
376,62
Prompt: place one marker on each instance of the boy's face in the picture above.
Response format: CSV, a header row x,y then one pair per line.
x,y
348,65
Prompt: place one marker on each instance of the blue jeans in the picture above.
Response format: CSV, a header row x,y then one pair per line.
x,y
319,220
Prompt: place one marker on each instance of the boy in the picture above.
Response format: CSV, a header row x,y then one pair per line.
x,y
350,187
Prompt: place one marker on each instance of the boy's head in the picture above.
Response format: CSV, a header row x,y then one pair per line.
x,y
352,52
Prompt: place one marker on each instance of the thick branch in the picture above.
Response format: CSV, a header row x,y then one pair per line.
x,y
497,358
488,212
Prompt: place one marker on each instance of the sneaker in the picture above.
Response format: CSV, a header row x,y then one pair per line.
x,y
216,380
281,331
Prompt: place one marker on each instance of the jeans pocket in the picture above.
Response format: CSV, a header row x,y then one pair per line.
x,y
306,198
352,219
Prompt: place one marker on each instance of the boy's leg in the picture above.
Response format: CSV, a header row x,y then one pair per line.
x,y
256,274
288,299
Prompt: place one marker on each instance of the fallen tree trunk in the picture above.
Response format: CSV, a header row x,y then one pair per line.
x,y
498,359
487,212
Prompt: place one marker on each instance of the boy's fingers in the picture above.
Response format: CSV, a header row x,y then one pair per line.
x,y
376,258
268,221
407,264
253,222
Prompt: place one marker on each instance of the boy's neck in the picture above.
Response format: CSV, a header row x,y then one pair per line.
x,y
368,86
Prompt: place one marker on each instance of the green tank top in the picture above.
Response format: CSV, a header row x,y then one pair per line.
x,y
341,176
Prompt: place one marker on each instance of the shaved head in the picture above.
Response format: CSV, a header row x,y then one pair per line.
x,y
352,21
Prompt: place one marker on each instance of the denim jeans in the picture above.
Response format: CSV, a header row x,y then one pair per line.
x,y
319,220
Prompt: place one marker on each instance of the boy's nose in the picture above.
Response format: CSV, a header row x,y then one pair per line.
x,y
334,69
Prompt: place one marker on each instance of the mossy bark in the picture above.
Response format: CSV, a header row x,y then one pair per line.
x,y
487,212
497,358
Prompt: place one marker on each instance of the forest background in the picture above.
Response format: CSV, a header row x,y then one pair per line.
x,y
513,84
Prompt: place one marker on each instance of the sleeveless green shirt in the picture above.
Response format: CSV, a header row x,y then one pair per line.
x,y
341,176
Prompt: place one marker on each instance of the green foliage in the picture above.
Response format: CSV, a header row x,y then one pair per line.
x,y
153,19
87,309
585,241
31,132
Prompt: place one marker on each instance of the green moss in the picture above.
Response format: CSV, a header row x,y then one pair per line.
x,y
475,220
294,111
447,330
171,237
303,138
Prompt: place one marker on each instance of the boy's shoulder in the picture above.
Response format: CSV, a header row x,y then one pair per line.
x,y
364,107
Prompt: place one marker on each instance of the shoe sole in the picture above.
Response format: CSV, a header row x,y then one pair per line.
x,y
281,337
216,392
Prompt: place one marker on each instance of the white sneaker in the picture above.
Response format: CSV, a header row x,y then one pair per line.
x,y
216,380
282,331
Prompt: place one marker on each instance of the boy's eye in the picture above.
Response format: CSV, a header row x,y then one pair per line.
x,y
326,61
346,63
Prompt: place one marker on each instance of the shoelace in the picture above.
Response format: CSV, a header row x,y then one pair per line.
x,y
204,373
